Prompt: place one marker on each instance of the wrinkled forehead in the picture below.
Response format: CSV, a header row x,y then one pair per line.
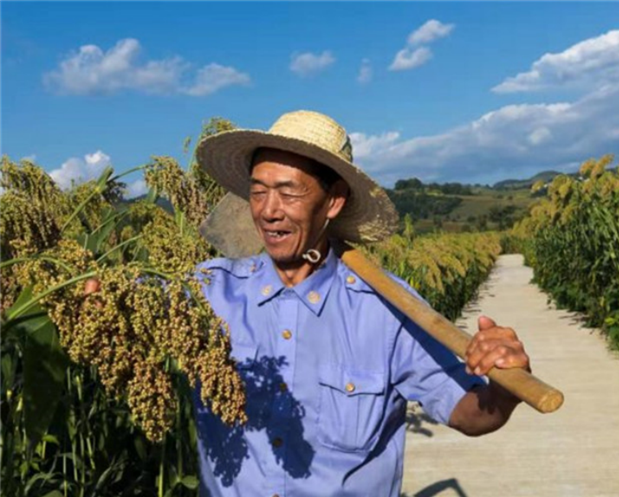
x,y
325,175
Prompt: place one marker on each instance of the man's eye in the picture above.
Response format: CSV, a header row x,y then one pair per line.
x,y
257,196
289,195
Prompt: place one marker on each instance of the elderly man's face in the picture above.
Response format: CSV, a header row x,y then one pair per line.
x,y
289,206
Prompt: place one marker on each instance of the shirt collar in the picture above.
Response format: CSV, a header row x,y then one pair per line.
x,y
312,291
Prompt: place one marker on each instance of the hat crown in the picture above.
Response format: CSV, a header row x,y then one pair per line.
x,y
316,129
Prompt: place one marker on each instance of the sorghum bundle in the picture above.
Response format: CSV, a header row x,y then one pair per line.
x,y
149,318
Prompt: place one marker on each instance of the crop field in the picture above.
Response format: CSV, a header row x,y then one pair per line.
x,y
96,391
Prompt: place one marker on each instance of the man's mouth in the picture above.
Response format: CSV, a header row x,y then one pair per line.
x,y
275,235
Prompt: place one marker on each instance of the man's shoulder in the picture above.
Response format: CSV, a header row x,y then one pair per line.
x,y
354,283
235,268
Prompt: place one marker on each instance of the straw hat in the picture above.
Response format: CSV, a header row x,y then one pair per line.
x,y
368,214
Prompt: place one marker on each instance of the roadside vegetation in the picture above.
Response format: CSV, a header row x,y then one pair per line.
x,y
571,239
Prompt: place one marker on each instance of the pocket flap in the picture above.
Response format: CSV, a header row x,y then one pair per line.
x,y
351,381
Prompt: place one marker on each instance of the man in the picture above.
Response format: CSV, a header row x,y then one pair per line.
x,y
328,365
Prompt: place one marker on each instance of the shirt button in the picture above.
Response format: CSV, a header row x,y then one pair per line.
x,y
277,442
351,279
287,334
350,387
266,290
283,387
313,297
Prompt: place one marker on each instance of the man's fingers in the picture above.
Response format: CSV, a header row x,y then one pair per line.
x,y
495,347
92,285
475,355
484,322
495,333
502,357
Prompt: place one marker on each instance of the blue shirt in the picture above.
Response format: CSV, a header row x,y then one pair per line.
x,y
328,367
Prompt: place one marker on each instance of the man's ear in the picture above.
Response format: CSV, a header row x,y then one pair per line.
x,y
338,195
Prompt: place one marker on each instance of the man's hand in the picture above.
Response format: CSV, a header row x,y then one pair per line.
x,y
495,346
92,286
485,409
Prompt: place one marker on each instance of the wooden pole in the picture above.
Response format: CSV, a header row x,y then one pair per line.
x,y
519,382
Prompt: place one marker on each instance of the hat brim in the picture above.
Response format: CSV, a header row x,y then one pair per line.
x,y
368,215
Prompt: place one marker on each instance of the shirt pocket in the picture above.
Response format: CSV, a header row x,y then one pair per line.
x,y
351,408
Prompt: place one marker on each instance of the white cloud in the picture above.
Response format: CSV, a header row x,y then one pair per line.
x,y
409,59
79,170
413,55
136,188
514,141
429,32
365,146
215,77
91,70
308,64
365,72
590,63
539,136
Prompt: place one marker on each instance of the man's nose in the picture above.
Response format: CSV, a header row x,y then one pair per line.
x,y
272,208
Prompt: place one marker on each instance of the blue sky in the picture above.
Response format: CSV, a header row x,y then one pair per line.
x,y
471,92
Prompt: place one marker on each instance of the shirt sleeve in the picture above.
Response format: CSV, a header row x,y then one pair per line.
x,y
424,370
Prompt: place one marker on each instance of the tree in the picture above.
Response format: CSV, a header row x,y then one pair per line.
x,y
409,184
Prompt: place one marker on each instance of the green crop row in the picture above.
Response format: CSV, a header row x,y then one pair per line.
x,y
571,239
446,269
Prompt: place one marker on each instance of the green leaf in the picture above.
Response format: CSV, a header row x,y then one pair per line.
x,y
33,318
140,448
7,371
45,366
152,196
190,482
105,476
105,175
24,297
111,220
51,439
91,243
180,218
82,239
53,493
38,477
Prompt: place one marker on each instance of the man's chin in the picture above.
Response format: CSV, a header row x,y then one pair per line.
x,y
282,259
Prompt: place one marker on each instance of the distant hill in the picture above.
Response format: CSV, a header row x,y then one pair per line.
x,y
463,207
519,184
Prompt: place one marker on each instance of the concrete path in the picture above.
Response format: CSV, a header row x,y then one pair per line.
x,y
573,452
